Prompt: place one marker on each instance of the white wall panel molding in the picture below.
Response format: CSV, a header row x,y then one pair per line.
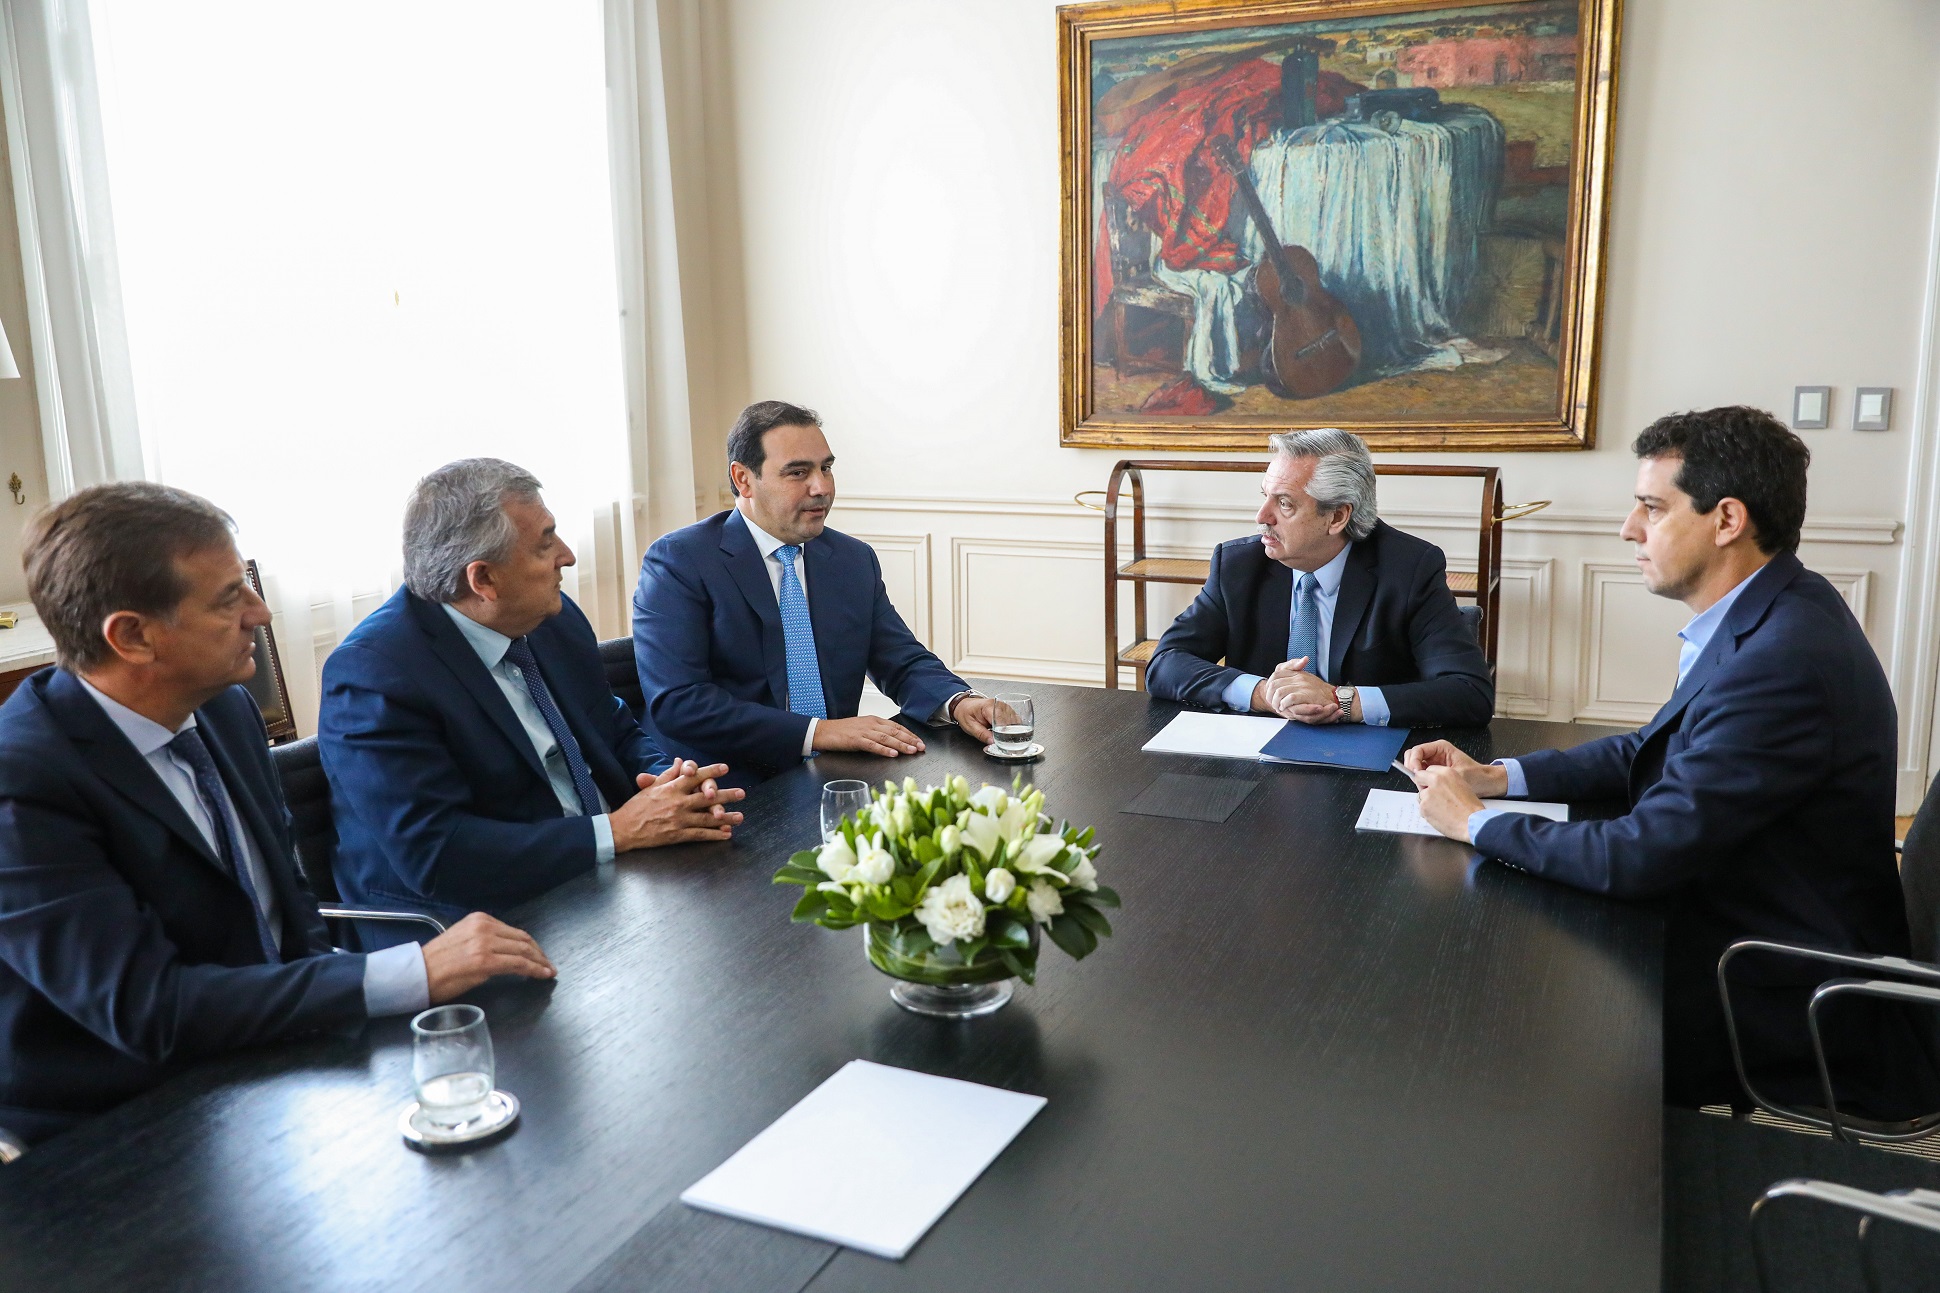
x,y
1026,608
1627,646
905,562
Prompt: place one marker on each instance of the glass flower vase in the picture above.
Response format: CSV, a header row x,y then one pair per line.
x,y
937,981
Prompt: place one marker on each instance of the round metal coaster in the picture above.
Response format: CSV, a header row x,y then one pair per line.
x,y
1032,751
501,1111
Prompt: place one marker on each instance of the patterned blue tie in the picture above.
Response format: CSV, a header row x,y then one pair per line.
x,y
520,654
1304,637
798,632
188,746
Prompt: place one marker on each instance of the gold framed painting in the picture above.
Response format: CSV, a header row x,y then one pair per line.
x,y
1384,215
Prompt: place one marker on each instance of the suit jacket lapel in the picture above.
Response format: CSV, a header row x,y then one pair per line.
x,y
750,572
1274,606
108,752
1745,615
1356,591
449,645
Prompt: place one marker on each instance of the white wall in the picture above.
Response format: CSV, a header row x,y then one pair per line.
x,y
895,168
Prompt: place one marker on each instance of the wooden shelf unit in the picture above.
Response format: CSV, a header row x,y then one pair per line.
x,y
1483,585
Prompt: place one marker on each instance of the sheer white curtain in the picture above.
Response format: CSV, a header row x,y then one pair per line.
x,y
292,256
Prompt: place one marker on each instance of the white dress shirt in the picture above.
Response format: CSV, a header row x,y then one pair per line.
x,y
491,646
1374,706
394,979
769,544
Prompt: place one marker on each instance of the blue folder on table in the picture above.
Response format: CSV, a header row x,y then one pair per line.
x,y
1337,745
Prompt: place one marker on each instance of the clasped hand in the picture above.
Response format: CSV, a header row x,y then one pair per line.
x,y
1452,786
1294,693
681,805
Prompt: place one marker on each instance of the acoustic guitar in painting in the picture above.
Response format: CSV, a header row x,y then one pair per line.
x,y
1315,345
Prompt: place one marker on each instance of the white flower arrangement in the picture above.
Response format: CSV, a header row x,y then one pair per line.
x,y
945,868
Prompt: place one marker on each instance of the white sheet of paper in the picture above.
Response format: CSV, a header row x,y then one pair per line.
x,y
869,1159
1224,736
1400,811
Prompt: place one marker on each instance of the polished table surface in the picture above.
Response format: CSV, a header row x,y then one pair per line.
x,y
1309,1058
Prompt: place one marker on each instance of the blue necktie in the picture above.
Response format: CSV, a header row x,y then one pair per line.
x,y
1304,637
188,746
520,654
798,632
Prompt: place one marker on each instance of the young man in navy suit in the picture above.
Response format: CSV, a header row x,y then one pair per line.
x,y
1328,614
477,755
753,629
153,912
1760,796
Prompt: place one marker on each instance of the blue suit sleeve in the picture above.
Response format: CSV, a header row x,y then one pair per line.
x,y
901,667
384,750
672,637
71,927
1182,665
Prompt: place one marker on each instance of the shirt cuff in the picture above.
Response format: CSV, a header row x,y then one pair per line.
x,y
1518,784
808,738
942,717
1238,695
395,982
1480,818
1374,706
602,839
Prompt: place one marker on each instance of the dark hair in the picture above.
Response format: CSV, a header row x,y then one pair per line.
x,y
1737,452
756,421
113,548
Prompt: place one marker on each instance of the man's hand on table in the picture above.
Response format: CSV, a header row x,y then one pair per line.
x,y
682,805
1452,786
867,734
1292,692
474,950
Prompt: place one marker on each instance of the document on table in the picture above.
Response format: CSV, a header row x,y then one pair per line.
x,y
869,1159
1400,811
1223,736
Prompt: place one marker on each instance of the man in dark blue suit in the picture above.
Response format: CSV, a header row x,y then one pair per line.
x,y
476,754
1328,615
1760,796
753,629
151,912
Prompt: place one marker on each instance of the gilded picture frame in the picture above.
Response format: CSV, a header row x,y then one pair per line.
x,y
1449,163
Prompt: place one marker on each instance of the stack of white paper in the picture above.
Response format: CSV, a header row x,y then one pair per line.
x,y
1400,811
1224,736
870,1158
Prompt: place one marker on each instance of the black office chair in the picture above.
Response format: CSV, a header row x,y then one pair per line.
x,y
1472,616
1914,982
621,675
299,766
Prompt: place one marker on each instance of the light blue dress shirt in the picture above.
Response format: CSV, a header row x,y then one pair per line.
x,y
1238,695
1696,636
491,646
394,979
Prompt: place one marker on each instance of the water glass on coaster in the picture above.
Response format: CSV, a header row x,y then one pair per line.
x,y
839,799
1013,724
453,1068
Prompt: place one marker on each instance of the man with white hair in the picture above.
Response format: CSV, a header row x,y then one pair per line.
x,y
1328,615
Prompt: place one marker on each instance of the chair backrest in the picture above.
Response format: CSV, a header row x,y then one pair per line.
x,y
299,765
266,684
1920,876
617,655
1472,616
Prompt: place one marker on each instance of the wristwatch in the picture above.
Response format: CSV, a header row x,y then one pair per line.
x,y
1344,697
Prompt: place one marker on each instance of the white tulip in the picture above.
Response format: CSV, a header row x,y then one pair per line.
x,y
1085,876
990,799
909,785
949,839
1016,822
980,833
904,822
874,865
1038,853
1043,902
960,786
997,886
836,859
949,911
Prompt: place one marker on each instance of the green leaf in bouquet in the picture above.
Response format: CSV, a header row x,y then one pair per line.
x,y
881,906
975,872
1002,929
972,949
813,905
927,848
806,858
1020,966
915,942
1090,917
1085,836
1077,941
1103,896
792,874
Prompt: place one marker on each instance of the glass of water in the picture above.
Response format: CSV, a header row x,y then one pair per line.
x,y
451,1060
1013,722
840,799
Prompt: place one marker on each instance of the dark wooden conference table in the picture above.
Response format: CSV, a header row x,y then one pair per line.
x,y
1310,1058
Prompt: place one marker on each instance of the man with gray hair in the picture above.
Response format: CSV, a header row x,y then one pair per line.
x,y
477,755
1328,615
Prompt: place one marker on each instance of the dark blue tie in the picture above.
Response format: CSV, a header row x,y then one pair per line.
x,y
798,637
1303,638
520,654
188,747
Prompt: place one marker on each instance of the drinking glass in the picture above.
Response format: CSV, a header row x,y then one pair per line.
x,y
451,1060
839,799
1013,722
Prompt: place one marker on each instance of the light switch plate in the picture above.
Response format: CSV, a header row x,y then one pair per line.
x,y
1872,409
1811,408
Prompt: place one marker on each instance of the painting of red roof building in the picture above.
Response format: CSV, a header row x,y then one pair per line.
x,y
1501,60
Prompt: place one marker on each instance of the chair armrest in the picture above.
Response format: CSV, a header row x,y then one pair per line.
x,y
1908,1207
379,914
1884,990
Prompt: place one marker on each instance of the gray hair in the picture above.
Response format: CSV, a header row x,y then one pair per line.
x,y
457,516
1343,474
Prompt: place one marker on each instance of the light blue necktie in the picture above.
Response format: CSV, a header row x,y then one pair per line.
x,y
798,632
1304,637
520,654
189,746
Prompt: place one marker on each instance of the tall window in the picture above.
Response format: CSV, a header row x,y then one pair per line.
x,y
358,239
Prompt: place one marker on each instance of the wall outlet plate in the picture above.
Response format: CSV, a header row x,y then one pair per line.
x,y
1811,408
1872,409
